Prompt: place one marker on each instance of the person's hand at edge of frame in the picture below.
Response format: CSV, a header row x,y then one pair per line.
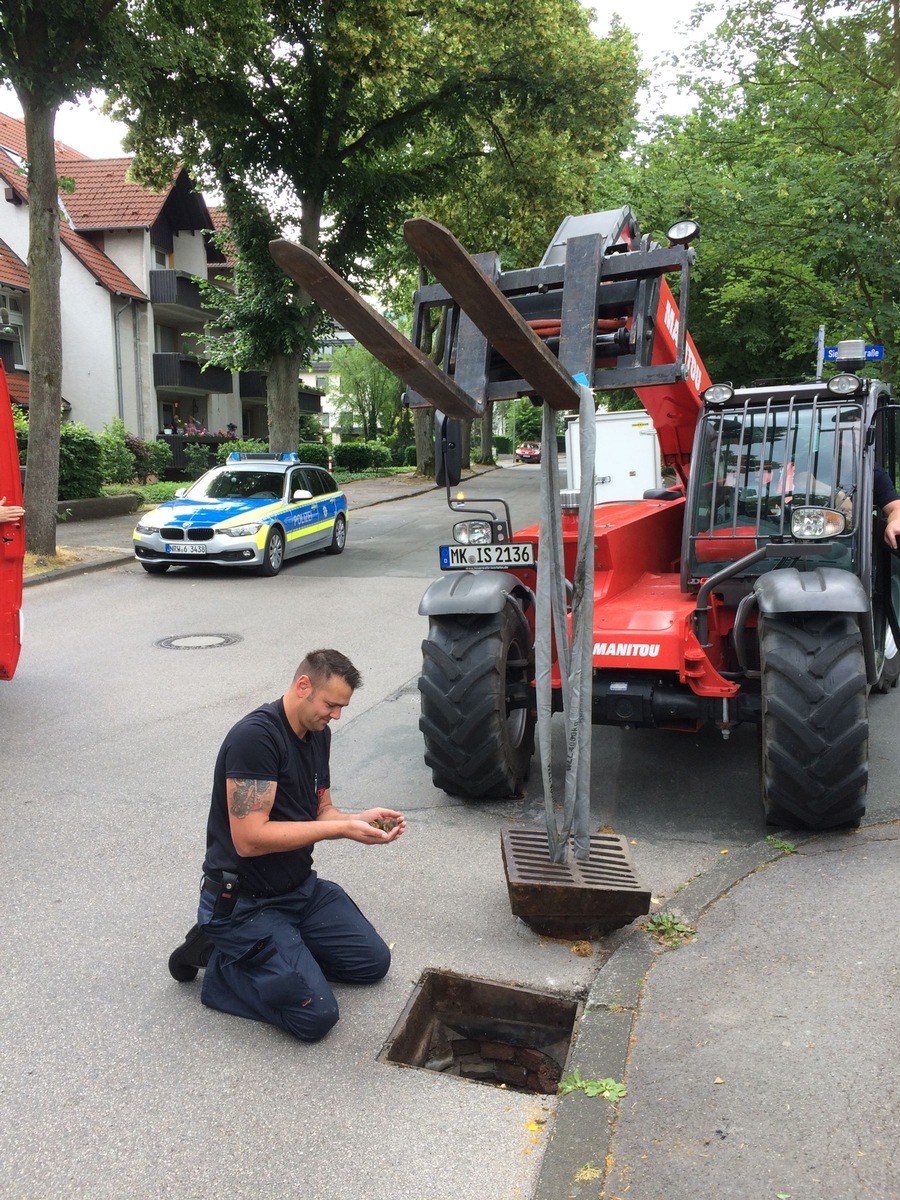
x,y
10,512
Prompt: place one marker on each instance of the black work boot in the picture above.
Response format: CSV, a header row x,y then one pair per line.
x,y
191,955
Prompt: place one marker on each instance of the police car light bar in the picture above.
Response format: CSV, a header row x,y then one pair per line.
x,y
262,456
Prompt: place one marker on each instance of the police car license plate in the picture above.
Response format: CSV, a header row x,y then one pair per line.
x,y
185,548
512,554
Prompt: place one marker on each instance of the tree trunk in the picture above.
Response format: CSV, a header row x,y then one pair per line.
x,y
487,435
425,442
44,265
284,413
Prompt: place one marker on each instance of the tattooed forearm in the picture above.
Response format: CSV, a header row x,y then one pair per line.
x,y
249,796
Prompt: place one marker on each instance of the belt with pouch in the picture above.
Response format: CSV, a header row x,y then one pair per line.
x,y
225,890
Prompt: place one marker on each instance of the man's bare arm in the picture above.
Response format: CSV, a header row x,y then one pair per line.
x,y
250,802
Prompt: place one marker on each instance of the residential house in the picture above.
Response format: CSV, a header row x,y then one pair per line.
x,y
132,319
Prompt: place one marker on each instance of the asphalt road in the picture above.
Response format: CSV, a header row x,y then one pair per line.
x,y
117,1082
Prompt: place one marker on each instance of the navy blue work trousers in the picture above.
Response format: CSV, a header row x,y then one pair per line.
x,y
274,956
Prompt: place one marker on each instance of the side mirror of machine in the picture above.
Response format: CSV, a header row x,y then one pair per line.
x,y
447,450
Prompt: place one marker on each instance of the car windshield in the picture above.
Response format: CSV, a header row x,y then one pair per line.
x,y
226,484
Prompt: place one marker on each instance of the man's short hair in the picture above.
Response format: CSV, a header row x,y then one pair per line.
x,y
320,665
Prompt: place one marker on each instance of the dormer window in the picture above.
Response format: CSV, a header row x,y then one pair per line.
x,y
12,321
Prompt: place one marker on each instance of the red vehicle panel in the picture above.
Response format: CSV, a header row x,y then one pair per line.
x,y
12,541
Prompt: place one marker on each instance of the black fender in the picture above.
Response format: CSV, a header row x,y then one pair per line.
x,y
824,589
473,592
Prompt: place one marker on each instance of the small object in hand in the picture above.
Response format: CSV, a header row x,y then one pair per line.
x,y
386,826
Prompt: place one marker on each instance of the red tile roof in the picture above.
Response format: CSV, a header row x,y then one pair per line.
x,y
217,256
13,272
19,383
12,137
105,199
102,268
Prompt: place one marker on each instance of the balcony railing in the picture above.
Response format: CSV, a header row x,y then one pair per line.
x,y
176,289
184,373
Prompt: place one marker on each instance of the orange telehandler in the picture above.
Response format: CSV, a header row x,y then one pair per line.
x,y
756,588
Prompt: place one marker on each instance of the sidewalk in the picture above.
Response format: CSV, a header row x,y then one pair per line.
x,y
759,1057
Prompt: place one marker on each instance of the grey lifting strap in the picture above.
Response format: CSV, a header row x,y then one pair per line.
x,y
575,659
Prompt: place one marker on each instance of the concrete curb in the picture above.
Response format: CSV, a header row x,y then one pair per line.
x,y
574,1163
99,564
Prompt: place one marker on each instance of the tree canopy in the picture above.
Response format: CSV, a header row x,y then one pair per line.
x,y
791,163
344,119
51,53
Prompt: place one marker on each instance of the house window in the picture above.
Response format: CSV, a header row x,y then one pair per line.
x,y
11,319
166,340
322,383
160,259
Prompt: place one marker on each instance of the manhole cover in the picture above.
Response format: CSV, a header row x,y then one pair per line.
x,y
485,1032
198,641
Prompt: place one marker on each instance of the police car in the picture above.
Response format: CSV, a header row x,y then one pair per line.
x,y
254,511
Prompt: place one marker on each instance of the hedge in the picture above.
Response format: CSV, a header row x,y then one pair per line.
x,y
315,453
352,456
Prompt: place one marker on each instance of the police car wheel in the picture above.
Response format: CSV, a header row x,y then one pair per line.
x,y
338,536
273,555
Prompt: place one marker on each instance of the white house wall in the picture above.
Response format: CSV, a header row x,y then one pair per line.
x,y
190,254
89,378
129,250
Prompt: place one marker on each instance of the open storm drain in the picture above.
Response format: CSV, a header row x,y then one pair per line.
x,y
487,1032
198,641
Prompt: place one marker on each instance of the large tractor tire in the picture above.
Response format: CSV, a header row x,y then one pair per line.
x,y
815,725
477,713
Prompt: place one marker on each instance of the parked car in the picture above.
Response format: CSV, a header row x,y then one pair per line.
x,y
528,452
254,511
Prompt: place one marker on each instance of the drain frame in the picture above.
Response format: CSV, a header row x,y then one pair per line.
x,y
485,1031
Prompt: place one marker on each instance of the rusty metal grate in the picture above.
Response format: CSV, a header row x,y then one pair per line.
x,y
573,898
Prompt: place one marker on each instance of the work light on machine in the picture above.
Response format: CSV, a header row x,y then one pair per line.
x,y
682,233
844,385
473,533
718,394
811,524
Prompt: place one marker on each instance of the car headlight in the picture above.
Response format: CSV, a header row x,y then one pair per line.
x,y
240,530
473,533
143,527
812,523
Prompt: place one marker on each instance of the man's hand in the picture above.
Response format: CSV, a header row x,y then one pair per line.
x,y
892,529
363,829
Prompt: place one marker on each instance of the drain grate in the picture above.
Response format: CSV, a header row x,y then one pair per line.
x,y
484,1032
576,897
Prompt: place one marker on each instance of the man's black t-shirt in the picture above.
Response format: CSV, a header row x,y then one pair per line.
x,y
263,746
884,491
